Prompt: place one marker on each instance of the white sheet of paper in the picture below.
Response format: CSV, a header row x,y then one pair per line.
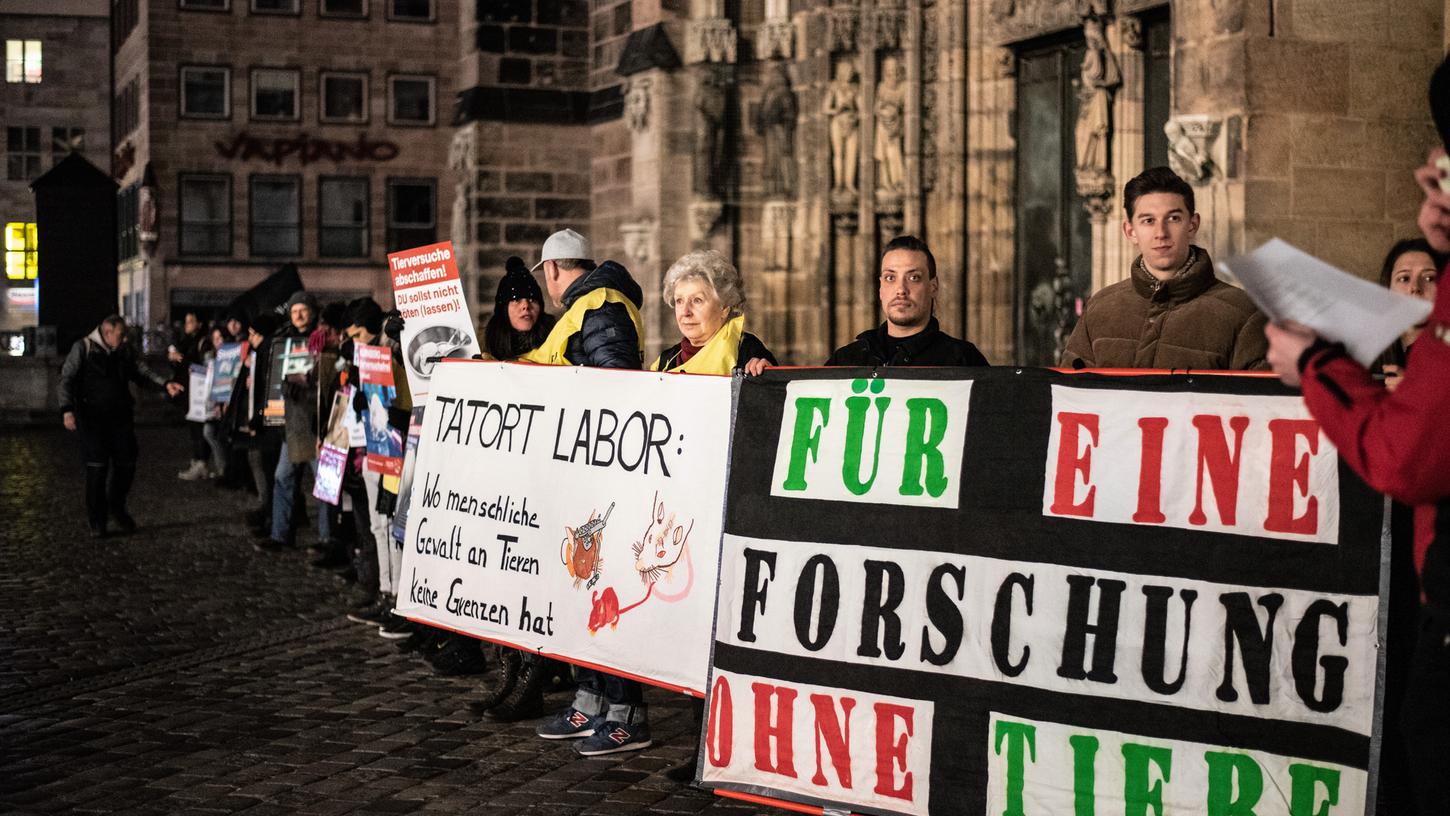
x,y
1289,284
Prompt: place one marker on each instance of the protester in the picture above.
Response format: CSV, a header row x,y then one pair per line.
x,y
600,328
211,428
299,446
517,326
1410,268
1172,312
1398,443
375,575
519,323
264,442
708,296
96,403
910,336
323,344
190,349
384,501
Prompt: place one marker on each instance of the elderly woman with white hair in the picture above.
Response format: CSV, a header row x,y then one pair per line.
x,y
708,296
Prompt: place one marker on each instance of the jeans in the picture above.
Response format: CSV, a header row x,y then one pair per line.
x,y
286,491
620,699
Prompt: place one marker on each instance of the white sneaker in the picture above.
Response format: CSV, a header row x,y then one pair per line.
x,y
196,470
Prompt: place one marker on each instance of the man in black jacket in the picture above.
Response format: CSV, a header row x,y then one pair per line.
x,y
95,398
910,336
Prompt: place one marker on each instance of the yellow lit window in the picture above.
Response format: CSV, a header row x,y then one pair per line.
x,y
20,251
22,60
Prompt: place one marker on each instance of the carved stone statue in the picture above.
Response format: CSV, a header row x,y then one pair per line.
x,y
843,105
1189,146
636,104
890,127
775,122
1100,75
709,135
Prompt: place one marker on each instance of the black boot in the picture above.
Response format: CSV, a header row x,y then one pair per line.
x,y
684,773
509,661
122,474
526,702
96,498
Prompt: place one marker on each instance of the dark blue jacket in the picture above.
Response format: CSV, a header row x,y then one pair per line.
x,y
607,338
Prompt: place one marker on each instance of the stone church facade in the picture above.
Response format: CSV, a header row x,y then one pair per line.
x,y
798,136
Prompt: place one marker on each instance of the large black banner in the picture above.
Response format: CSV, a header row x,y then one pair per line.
x,y
1022,592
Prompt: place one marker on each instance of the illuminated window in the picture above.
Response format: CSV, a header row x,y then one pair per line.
x,y
22,60
20,251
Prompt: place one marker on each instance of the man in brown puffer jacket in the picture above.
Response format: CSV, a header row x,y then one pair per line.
x,y
1172,312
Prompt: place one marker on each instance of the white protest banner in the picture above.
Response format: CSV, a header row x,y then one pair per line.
x,y
436,322
198,391
572,511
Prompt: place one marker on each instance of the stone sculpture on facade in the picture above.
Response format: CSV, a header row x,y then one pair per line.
x,y
775,121
1100,76
1189,138
709,135
636,104
842,105
890,127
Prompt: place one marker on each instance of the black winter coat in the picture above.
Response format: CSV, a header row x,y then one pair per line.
x,y
607,338
930,347
96,379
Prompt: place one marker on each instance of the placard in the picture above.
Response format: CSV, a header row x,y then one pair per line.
x,y
436,321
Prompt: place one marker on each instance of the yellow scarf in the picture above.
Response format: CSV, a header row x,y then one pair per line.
x,y
719,354
551,352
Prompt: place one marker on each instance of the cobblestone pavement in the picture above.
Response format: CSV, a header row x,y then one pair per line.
x,y
178,671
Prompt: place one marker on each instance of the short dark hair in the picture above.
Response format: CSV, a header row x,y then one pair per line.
x,y
112,321
1404,246
1156,180
913,244
571,264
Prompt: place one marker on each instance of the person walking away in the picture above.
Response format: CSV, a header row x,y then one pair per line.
x,y
96,404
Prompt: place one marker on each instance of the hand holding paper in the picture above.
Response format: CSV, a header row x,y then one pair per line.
x,y
1290,285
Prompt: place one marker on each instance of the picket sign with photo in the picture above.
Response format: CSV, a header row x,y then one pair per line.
x,y
436,321
574,512
375,378
985,591
226,365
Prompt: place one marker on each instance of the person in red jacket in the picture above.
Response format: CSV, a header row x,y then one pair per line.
x,y
1399,443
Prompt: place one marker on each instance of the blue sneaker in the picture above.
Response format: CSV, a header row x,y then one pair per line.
x,y
614,737
571,723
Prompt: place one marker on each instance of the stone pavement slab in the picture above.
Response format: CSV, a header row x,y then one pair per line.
x,y
178,671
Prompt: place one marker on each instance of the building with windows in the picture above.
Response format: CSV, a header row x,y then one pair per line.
x,y
54,100
798,136
249,134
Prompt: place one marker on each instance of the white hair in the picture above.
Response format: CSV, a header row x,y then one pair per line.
x,y
711,267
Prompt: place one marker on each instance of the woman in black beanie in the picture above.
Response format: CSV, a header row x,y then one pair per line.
x,y
519,323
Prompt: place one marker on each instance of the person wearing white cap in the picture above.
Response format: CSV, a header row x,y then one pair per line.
x,y
600,326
